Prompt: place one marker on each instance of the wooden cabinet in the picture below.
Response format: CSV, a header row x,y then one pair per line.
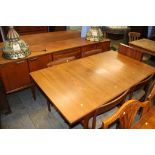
x,y
105,46
61,45
39,62
88,48
57,28
67,53
15,75
27,29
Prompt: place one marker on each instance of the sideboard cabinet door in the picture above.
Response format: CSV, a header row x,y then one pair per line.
x,y
15,75
39,62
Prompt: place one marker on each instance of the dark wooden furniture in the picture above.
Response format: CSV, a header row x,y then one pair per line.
x,y
125,116
44,47
78,87
57,28
129,51
144,45
22,30
143,30
1,38
94,120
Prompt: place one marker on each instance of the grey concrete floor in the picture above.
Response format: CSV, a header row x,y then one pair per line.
x,y
28,113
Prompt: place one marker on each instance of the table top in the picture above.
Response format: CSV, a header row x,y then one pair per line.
x,y
147,45
147,121
80,86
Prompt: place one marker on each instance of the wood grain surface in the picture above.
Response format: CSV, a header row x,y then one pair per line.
x,y
80,86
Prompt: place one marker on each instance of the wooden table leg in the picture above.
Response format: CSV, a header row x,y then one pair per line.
x,y
33,91
49,105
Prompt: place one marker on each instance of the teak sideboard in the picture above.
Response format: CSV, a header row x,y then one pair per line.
x,y
44,47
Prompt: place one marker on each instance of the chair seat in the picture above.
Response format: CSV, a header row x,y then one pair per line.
x,y
101,118
138,94
146,57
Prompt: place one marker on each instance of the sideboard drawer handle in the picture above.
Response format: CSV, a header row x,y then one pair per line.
x,y
33,59
20,62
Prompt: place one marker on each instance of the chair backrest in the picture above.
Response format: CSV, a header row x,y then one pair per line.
x,y
130,52
104,108
133,36
126,114
60,61
144,85
151,96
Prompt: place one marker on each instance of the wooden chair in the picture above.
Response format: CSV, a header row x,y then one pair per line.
x,y
57,62
94,119
91,52
126,114
134,36
140,90
130,52
151,96
60,61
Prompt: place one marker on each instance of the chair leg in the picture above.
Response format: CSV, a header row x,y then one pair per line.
x,y
49,105
33,91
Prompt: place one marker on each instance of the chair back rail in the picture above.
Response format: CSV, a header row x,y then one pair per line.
x,y
104,108
134,36
145,85
126,114
130,52
151,96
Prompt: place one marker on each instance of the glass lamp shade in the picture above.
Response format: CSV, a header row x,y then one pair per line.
x,y
94,34
14,47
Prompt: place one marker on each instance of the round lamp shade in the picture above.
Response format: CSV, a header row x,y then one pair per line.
x,y
94,34
14,47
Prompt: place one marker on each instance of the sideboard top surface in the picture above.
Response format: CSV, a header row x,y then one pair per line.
x,y
45,43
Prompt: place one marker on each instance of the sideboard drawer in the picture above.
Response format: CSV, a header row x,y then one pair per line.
x,y
88,48
67,53
91,52
39,62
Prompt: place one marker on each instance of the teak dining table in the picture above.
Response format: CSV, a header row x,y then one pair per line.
x,y
144,45
78,87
